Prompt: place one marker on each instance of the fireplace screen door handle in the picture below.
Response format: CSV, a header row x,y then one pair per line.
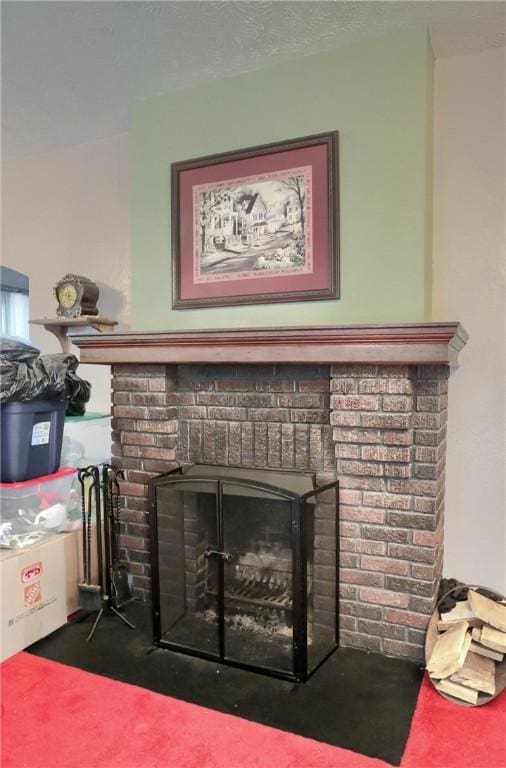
x,y
226,556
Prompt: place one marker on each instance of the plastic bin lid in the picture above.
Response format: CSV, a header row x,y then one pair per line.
x,y
64,472
92,416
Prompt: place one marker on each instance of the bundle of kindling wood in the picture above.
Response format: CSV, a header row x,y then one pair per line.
x,y
469,648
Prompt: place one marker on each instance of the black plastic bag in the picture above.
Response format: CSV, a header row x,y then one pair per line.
x,y
17,351
78,390
27,376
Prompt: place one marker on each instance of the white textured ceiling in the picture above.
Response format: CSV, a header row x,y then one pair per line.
x,y
71,71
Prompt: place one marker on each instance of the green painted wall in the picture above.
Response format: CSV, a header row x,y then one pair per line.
x,y
377,94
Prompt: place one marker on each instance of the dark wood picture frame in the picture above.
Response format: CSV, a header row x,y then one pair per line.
x,y
225,254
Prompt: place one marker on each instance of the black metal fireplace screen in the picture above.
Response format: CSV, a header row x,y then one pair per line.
x,y
244,567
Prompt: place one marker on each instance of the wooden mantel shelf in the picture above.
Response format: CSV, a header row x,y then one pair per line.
x,y
61,326
413,343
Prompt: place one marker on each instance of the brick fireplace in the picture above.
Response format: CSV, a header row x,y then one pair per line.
x,y
366,405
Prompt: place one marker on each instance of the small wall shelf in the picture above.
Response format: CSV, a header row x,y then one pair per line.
x,y
60,326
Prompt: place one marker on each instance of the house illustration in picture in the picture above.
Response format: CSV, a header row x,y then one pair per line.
x,y
292,214
253,213
220,221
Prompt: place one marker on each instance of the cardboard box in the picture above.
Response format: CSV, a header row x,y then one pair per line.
x,y
39,588
33,589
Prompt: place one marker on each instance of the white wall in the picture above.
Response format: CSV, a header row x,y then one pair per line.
x,y
469,285
67,211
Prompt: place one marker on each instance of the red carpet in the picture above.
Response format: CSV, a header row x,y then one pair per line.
x,y
54,716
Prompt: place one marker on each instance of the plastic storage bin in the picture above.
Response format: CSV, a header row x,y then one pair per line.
x,y
32,436
86,440
31,509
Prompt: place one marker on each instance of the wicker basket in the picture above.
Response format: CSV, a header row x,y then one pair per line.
x,y
430,641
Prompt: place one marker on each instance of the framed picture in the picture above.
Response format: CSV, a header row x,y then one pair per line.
x,y
258,225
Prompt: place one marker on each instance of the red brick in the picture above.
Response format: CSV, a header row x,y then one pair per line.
x,y
157,414
397,403
347,623
137,476
411,586
161,427
425,572
430,437
313,400
343,386
368,547
429,420
400,648
385,453
383,597
133,542
398,437
350,497
428,471
348,592
132,489
344,419
381,629
398,470
416,487
385,420
159,466
428,538
133,451
425,505
129,384
356,640
342,435
311,385
385,386
159,399
137,438
366,578
355,402
374,612
422,604
159,453
426,453
349,529
122,425
431,404
348,560
360,468
384,565
386,500
406,618
410,520
418,554
363,483
158,384
121,398
385,534
136,503
345,451
362,514
129,412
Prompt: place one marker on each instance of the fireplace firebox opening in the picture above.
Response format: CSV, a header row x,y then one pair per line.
x,y
244,567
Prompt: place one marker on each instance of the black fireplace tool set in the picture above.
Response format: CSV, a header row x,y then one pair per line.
x,y
100,490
